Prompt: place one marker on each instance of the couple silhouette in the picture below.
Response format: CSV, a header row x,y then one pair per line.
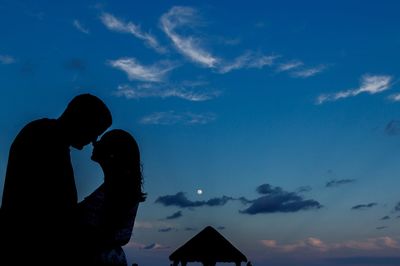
x,y
41,221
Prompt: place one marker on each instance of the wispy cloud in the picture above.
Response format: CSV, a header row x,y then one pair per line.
x,y
393,128
364,206
308,72
309,243
175,215
78,25
371,84
178,19
163,91
338,182
371,244
165,230
155,246
172,118
143,225
248,60
189,46
385,218
394,97
275,199
152,246
115,24
289,65
365,260
7,59
136,71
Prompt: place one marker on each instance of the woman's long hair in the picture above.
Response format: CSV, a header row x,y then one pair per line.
x,y
119,155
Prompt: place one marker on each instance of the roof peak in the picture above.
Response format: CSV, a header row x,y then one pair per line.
x,y
208,245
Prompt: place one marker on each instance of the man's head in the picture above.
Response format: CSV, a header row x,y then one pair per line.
x,y
85,118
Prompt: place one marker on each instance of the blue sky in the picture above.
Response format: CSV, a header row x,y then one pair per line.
x,y
286,115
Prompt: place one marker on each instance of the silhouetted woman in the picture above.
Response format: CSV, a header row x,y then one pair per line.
x,y
108,214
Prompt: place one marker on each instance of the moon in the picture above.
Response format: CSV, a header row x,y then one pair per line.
x,y
199,192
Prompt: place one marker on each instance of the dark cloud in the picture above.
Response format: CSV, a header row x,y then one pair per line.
x,y
75,64
267,189
304,189
364,206
155,246
397,207
393,128
381,227
275,199
218,201
221,227
175,215
385,218
164,230
338,182
244,200
190,229
180,200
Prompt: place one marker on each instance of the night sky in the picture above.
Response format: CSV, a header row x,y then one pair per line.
x,y
275,122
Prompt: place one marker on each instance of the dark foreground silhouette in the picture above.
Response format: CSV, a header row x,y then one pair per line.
x,y
207,247
38,213
107,215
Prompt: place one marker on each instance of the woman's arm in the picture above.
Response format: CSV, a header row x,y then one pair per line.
x,y
124,232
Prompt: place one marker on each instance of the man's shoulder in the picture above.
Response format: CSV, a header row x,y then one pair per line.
x,y
40,129
42,125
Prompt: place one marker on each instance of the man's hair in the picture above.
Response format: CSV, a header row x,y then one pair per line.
x,y
88,109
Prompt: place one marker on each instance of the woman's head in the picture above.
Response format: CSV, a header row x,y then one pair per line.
x,y
118,154
116,148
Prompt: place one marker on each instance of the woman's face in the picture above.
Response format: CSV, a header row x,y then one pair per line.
x,y
100,152
105,153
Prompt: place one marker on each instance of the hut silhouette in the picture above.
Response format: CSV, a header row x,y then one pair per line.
x,y
207,247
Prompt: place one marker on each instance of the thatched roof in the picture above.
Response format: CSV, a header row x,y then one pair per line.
x,y
208,245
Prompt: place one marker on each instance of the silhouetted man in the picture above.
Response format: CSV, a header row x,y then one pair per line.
x,y
40,197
